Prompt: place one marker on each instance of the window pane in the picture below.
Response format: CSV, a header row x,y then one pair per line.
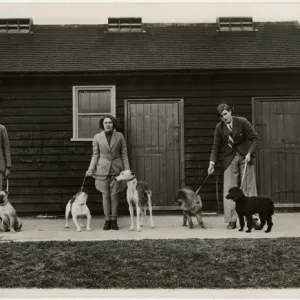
x,y
94,101
88,126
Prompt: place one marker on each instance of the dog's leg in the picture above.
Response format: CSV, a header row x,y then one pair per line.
x,y
143,215
18,224
150,209
138,213
242,222
80,222
270,223
67,214
88,222
184,219
249,223
262,218
200,221
12,221
191,225
75,220
131,216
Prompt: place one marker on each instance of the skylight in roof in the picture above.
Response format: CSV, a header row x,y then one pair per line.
x,y
15,25
235,24
125,25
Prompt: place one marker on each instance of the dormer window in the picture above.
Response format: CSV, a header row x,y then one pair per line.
x,y
16,25
125,25
235,24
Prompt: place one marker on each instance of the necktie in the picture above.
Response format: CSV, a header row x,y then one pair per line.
x,y
230,137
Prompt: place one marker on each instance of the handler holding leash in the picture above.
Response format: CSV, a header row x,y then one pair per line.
x,y
5,156
240,142
108,160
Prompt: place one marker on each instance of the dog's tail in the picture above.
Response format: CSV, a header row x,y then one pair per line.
x,y
272,207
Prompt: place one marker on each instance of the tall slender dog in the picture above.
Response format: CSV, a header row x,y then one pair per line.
x,y
138,193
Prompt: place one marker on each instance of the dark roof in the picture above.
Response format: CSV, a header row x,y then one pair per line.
x,y
87,48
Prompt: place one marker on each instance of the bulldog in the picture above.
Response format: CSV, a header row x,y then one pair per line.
x,y
9,219
78,208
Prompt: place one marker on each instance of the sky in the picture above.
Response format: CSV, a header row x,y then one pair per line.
x,y
83,12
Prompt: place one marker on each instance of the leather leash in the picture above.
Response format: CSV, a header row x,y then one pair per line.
x,y
197,192
244,173
82,185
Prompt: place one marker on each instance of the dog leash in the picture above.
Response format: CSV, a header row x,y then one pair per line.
x,y
244,173
82,185
7,184
197,192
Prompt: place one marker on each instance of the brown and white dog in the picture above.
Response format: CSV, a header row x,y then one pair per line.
x,y
78,208
10,220
191,205
138,193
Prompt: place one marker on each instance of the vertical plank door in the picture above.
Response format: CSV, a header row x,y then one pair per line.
x,y
277,122
153,140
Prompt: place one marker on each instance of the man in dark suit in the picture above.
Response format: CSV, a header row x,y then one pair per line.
x,y
238,139
5,156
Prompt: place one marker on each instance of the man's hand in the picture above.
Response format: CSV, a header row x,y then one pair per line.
x,y
248,158
88,173
211,167
6,172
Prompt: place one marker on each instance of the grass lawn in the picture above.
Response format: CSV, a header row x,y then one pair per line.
x,y
192,263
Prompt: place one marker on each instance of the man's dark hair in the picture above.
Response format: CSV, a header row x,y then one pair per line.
x,y
113,119
224,106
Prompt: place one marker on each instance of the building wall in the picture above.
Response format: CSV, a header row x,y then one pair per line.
x,y
48,168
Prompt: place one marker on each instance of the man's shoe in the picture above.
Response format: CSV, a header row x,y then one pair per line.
x,y
231,225
107,225
114,225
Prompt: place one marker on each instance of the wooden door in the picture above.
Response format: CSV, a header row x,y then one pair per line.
x,y
154,139
277,122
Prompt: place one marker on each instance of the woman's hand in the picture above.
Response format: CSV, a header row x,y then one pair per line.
x,y
88,173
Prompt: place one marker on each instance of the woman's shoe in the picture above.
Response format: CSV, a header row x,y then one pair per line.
x,y
107,225
231,225
114,225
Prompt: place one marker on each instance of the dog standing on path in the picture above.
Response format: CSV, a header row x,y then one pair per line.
x,y
138,193
10,220
78,208
247,206
191,205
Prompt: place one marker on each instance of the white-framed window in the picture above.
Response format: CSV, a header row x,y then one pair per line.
x,y
90,103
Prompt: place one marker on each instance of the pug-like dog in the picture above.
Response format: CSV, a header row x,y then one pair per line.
x,y
77,206
9,219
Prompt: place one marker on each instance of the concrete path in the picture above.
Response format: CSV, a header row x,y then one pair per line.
x,y
166,227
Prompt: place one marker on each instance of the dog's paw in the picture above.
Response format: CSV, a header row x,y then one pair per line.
x,y
67,226
184,225
241,229
131,229
152,227
248,231
203,227
89,229
139,229
191,226
79,229
267,231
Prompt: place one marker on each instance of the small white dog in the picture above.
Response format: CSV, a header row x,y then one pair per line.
x,y
77,206
8,215
139,193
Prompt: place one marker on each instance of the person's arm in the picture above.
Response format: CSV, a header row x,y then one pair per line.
x,y
253,137
6,152
216,146
124,154
95,157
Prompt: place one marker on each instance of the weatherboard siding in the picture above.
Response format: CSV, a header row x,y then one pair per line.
x,y
47,167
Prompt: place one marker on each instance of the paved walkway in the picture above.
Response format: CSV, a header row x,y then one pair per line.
x,y
166,227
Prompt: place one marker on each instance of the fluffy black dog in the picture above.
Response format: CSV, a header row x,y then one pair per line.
x,y
247,206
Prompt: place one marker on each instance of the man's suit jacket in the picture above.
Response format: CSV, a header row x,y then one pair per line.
x,y
5,156
108,156
246,140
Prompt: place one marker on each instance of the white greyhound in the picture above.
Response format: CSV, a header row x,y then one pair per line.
x,y
139,193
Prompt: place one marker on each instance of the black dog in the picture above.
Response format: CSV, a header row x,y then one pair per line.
x,y
247,206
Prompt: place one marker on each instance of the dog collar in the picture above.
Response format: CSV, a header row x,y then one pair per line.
x,y
131,178
4,203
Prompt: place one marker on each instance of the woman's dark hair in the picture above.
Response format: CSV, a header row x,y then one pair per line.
x,y
113,119
224,106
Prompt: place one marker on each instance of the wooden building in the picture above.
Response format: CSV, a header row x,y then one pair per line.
x,y
163,82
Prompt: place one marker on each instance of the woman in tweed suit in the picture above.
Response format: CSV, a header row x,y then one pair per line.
x,y
5,156
108,161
